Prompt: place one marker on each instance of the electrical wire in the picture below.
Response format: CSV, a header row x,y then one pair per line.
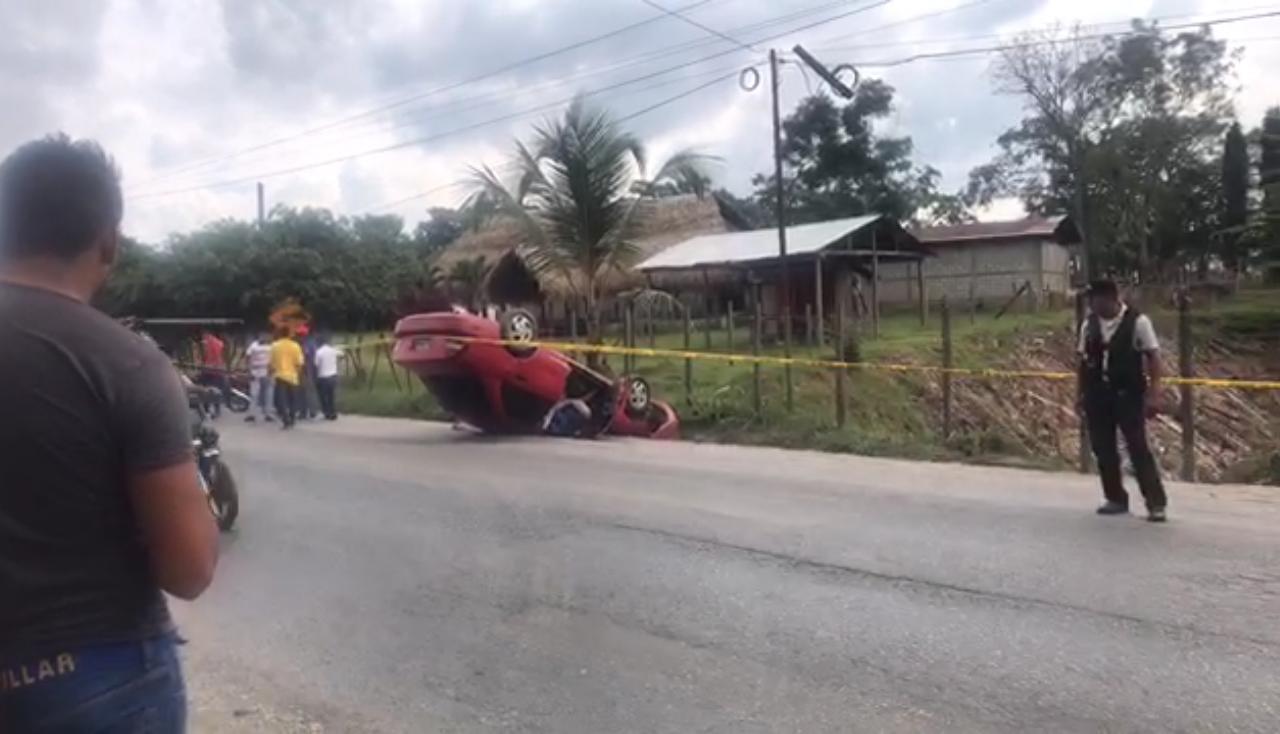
x,y
402,102
1049,42
678,15
471,80
502,118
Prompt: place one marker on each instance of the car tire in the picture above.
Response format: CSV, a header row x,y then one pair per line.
x,y
639,396
518,325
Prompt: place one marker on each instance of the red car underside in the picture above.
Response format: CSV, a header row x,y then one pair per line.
x,y
503,390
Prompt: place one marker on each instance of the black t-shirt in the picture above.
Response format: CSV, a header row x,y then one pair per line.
x,y
84,403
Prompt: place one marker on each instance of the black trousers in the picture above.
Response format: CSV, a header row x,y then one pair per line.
x,y
1110,412
287,402
326,388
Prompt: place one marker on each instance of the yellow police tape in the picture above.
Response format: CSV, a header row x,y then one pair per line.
x,y
835,364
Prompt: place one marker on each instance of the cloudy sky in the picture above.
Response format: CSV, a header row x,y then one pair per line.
x,y
197,99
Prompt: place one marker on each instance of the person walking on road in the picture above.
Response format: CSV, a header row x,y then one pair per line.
x,y
1119,377
258,359
326,361
286,368
101,510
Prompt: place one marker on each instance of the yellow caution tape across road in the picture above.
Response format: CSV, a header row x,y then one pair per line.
x,y
761,359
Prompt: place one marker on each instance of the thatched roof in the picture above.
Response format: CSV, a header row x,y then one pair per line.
x,y
660,223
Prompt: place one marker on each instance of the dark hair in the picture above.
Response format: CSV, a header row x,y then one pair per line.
x,y
56,196
1104,287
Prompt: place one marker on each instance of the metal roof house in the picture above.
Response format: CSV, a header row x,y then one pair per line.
x,y
822,260
986,262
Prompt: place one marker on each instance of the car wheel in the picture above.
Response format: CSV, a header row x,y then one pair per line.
x,y
521,327
639,396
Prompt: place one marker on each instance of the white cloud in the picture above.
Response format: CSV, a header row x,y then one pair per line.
x,y
167,85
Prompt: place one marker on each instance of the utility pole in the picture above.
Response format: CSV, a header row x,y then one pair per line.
x,y
262,205
784,287
780,208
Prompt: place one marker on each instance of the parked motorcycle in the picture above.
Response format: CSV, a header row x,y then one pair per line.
x,y
215,478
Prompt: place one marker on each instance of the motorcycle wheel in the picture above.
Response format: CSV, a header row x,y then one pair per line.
x,y
224,499
238,402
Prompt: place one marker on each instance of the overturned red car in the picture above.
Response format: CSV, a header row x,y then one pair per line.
x,y
479,370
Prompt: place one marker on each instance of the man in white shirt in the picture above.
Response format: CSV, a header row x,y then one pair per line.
x,y
1119,376
327,357
258,359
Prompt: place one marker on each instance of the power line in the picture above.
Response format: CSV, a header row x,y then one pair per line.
x,y
696,24
1049,42
635,61
988,36
682,95
395,146
1018,44
454,85
503,118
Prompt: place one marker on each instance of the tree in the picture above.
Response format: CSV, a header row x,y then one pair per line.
x,y
1124,134
348,273
1235,194
1269,180
466,278
835,165
439,231
573,197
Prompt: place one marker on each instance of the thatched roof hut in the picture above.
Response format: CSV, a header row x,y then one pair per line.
x,y
659,224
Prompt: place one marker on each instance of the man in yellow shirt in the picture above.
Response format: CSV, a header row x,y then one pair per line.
x,y
286,367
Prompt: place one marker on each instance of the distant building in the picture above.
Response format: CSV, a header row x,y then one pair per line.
x,y
830,264
987,262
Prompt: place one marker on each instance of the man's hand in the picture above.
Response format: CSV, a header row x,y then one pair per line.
x,y
1153,403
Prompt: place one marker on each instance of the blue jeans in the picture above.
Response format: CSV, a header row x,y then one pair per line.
x,y
117,688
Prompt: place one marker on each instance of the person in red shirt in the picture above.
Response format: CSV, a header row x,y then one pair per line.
x,y
214,367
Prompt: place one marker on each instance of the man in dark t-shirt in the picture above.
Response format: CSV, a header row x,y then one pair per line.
x,y
100,506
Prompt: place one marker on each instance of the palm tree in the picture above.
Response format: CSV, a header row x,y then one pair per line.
x,y
573,198
468,277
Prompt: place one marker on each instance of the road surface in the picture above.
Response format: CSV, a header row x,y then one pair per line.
x,y
403,577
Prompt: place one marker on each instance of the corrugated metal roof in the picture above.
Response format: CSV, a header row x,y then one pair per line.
x,y
990,231
759,244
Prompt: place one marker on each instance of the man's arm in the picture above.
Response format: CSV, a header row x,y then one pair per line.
x,y
1155,378
153,423
177,527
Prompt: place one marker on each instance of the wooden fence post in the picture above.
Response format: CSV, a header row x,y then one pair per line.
x,y
386,351
923,289
706,323
1085,458
373,371
629,336
729,324
688,363
946,369
840,376
756,326
1187,407
648,314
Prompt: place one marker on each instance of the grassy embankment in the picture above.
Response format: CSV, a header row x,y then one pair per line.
x,y
886,412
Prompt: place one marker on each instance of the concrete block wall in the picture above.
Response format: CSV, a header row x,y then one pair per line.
x,y
993,269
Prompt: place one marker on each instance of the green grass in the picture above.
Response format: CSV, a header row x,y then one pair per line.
x,y
887,413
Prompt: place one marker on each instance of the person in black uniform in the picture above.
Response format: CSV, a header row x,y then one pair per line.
x,y
1120,389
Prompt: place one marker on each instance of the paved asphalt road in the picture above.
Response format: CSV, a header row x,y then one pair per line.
x,y
403,577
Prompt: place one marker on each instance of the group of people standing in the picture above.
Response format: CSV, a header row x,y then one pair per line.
x,y
288,375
